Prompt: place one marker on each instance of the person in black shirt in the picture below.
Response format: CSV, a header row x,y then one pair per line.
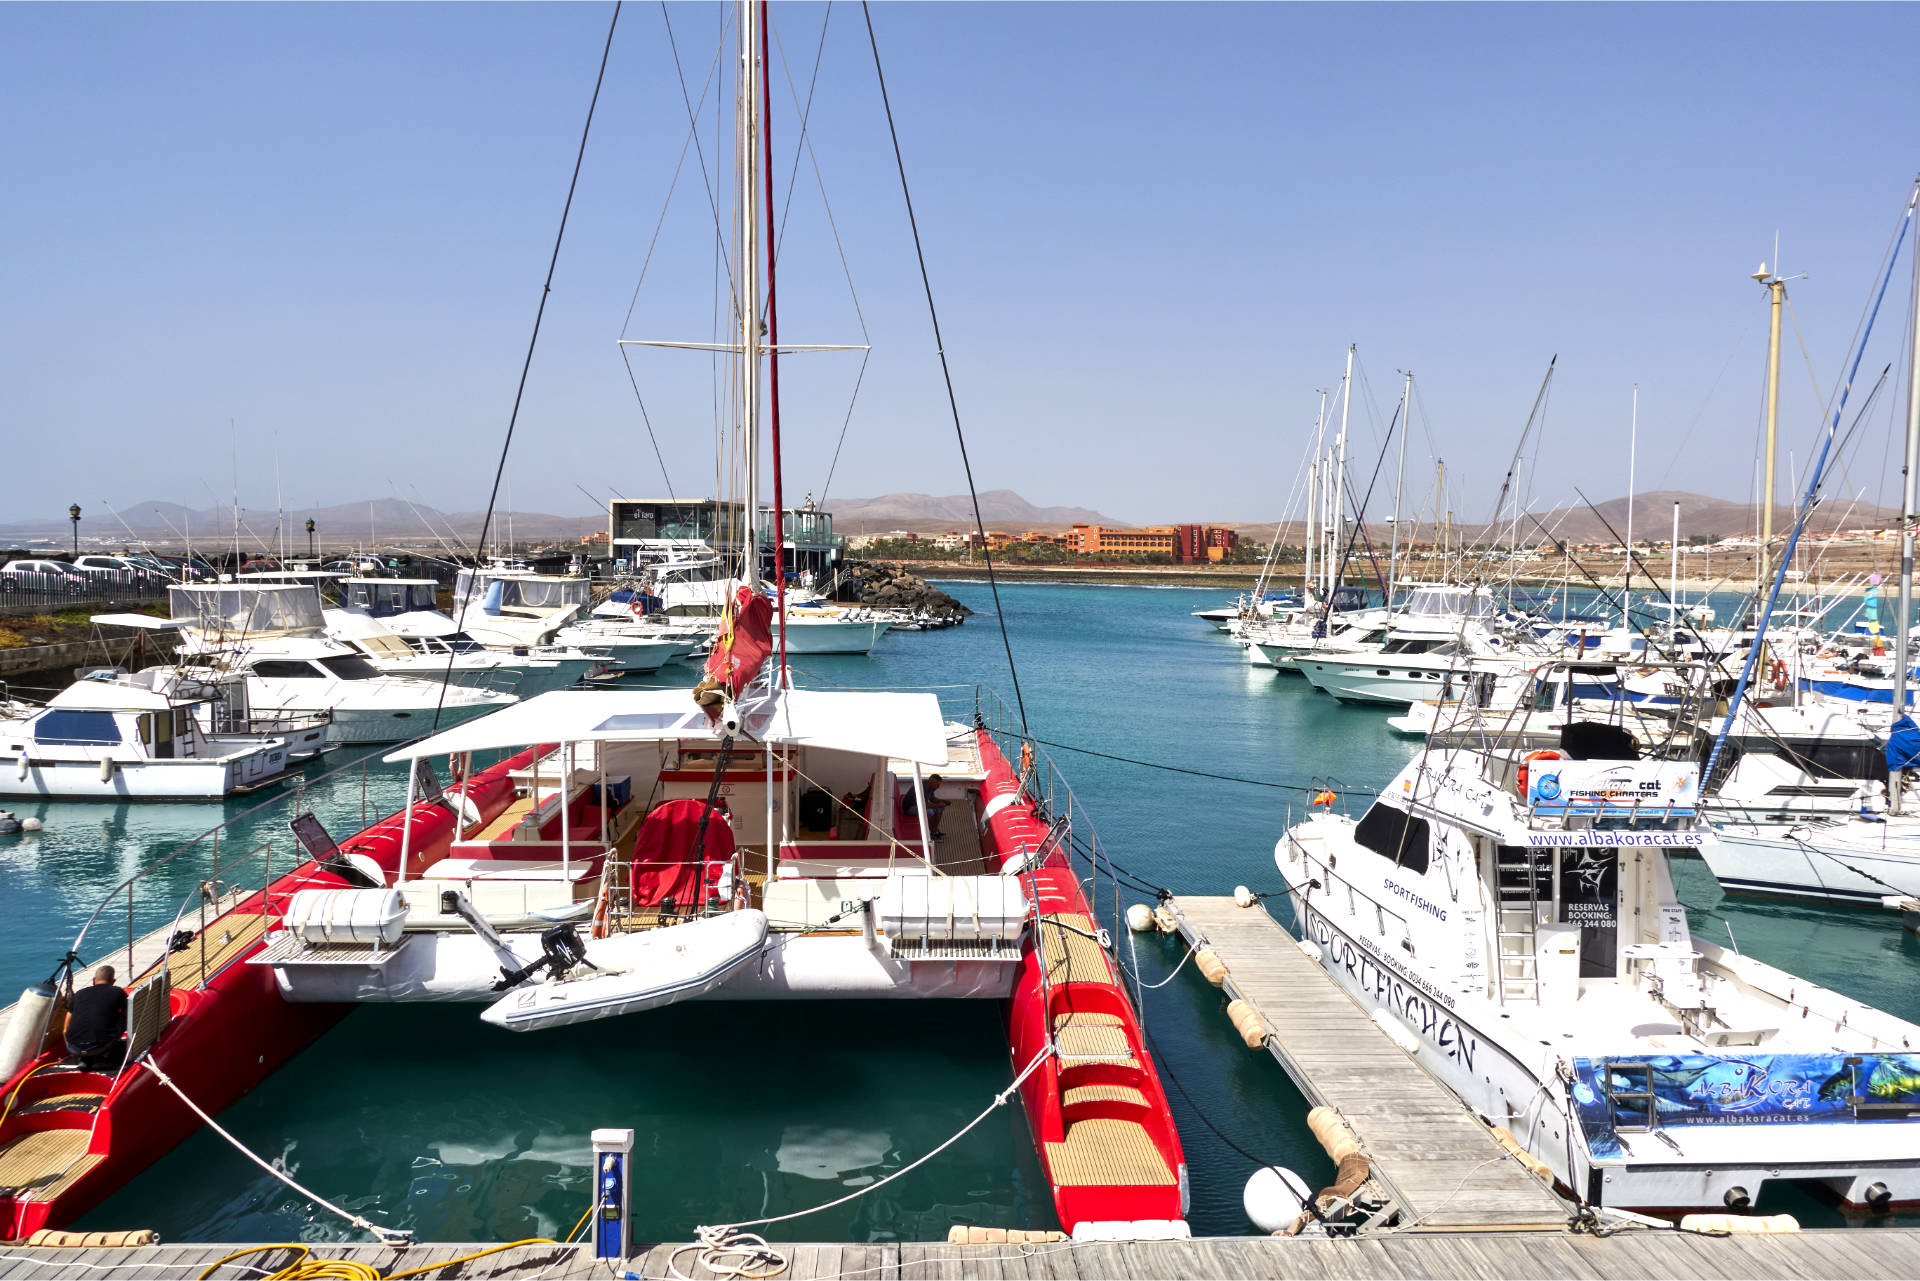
x,y
935,807
97,1022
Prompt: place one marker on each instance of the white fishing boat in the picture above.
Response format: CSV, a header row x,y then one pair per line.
x,y
513,608
1516,921
274,634
525,674
112,738
409,609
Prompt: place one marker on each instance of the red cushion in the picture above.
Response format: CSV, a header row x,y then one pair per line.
x,y
663,865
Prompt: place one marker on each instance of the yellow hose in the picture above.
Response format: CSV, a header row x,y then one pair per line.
x,y
308,1268
14,1097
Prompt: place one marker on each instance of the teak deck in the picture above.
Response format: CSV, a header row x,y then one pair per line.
x,y
1436,1157
1469,1256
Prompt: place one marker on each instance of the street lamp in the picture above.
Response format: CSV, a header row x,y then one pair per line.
x,y
309,538
73,514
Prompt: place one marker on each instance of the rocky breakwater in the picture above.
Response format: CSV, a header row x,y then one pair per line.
x,y
890,587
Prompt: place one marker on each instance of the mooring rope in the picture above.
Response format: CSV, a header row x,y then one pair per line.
x,y
387,1236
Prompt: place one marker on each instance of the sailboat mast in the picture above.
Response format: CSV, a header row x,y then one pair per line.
x,y
1338,525
1910,478
1776,294
1313,500
1673,559
1399,486
773,356
747,303
1633,451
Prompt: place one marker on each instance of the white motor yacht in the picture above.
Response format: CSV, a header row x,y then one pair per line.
x,y
512,608
115,738
409,609
275,634
1517,918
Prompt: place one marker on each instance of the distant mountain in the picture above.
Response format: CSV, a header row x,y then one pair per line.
x,y
925,514
1700,517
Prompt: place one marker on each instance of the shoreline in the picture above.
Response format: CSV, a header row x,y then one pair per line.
x,y
1238,578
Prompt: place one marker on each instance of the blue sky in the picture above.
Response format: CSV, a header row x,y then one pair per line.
x,y
1152,229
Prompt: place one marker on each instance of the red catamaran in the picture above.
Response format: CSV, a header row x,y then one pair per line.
x,y
627,849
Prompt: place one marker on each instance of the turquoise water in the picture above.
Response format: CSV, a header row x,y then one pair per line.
x,y
426,1118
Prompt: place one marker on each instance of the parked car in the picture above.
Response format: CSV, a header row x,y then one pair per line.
x,y
117,569
44,575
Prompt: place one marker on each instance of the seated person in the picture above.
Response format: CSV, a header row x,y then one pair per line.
x,y
935,806
97,1023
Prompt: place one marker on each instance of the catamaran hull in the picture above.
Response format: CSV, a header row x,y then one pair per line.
x,y
1461,1046
1801,863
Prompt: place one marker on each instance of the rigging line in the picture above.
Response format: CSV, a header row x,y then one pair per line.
x,y
846,422
706,179
533,340
672,185
806,113
1178,769
833,226
647,418
946,372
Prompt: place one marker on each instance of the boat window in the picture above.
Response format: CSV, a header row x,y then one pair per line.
x,y
350,667
81,729
285,669
1416,646
1394,834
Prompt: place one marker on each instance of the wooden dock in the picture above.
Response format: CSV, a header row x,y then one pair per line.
x,y
1436,1158
1437,1256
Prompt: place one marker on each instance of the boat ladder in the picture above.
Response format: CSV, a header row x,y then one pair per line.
x,y
1517,879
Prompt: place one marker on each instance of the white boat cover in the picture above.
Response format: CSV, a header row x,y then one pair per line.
x,y
642,971
902,726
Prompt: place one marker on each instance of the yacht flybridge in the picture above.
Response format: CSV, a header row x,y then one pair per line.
x,y
1515,914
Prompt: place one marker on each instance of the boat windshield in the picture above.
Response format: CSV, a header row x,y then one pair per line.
x,y
521,591
380,599
1450,602
251,608
350,667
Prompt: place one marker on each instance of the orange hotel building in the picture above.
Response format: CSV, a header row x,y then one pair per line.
x,y
1185,544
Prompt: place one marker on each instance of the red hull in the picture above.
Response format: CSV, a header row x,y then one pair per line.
x,y
225,1036
1118,1088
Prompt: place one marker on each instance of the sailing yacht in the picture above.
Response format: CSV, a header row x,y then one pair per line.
x,y
1516,917
745,839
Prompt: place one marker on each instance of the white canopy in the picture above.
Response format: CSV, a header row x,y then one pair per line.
x,y
110,696
902,726
146,621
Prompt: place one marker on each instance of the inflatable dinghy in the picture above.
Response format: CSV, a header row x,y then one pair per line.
x,y
635,972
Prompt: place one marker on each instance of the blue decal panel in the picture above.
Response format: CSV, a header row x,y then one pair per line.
x,y
1760,1089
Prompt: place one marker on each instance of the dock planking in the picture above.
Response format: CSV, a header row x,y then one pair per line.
x,y
1438,1159
1438,1255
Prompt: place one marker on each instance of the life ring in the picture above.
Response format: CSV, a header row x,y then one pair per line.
x,y
599,930
1777,674
457,766
1544,754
